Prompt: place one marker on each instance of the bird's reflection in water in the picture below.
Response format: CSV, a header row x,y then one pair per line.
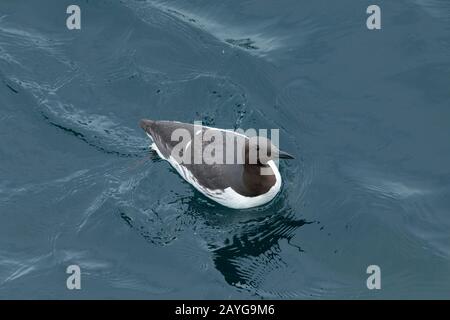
x,y
245,244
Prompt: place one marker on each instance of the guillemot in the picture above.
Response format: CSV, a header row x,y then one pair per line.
x,y
251,182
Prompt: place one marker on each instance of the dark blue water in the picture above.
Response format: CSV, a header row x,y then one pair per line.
x,y
366,113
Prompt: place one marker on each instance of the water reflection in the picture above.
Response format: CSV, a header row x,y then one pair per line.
x,y
245,244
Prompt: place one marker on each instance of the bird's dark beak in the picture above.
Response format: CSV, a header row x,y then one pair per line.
x,y
284,155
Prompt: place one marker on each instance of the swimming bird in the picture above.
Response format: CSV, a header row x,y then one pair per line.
x,y
228,167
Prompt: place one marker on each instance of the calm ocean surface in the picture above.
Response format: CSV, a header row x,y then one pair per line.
x,y
366,114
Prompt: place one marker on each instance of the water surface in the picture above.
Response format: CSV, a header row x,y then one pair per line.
x,y
364,112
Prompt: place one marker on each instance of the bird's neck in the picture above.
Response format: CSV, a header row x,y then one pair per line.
x,y
258,178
